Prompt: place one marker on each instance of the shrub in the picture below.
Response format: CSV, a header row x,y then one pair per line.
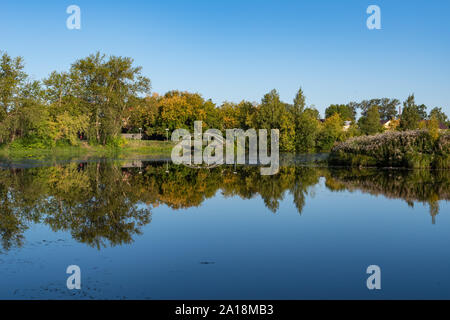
x,y
117,142
412,149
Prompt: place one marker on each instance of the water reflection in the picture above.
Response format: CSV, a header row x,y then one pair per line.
x,y
106,203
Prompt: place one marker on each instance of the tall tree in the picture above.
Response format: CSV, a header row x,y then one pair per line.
x,y
388,108
106,87
422,111
410,117
331,132
299,102
58,86
307,132
297,110
12,79
270,111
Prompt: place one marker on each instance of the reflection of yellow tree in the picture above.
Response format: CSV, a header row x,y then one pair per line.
x,y
434,207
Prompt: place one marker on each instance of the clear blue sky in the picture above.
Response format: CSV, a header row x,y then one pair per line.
x,y
233,50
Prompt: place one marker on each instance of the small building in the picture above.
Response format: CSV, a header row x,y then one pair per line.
x,y
347,125
390,124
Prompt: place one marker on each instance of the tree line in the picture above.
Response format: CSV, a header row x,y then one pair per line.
x,y
100,97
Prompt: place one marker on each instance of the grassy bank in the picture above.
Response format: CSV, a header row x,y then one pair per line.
x,y
408,149
132,147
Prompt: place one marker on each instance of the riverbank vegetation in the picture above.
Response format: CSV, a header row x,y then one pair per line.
x,y
126,148
101,97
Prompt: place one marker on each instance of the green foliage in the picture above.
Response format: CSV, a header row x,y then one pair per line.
x,y
410,119
308,130
275,114
69,127
29,143
412,114
12,79
270,111
299,102
331,132
105,87
439,115
117,142
346,112
433,127
388,108
287,132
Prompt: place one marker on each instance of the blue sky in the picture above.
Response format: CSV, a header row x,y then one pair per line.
x,y
233,50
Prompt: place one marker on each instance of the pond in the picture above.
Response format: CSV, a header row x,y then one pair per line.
x,y
150,229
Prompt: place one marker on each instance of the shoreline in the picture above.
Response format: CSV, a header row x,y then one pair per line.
x,y
133,147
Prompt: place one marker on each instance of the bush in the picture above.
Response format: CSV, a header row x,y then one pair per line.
x,y
117,142
30,143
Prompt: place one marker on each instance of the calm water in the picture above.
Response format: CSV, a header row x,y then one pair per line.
x,y
154,230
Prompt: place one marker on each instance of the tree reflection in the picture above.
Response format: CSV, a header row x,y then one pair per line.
x,y
423,186
105,203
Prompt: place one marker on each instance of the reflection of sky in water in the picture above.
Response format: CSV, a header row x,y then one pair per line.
x,y
233,248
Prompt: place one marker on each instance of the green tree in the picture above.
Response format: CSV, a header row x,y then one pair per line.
x,y
433,127
270,111
299,102
313,112
345,111
58,87
68,127
410,117
12,79
246,113
106,86
422,111
307,132
386,107
331,132
297,110
275,114
287,132
439,115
